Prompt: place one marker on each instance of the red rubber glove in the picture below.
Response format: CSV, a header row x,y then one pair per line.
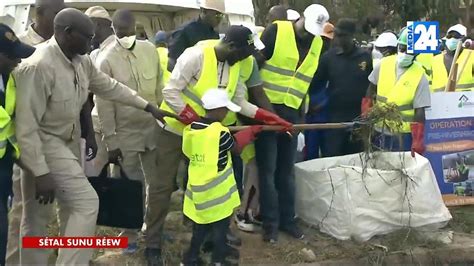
x,y
417,134
188,115
367,103
246,136
270,118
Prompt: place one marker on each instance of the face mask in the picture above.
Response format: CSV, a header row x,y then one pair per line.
x,y
452,43
376,54
127,42
405,60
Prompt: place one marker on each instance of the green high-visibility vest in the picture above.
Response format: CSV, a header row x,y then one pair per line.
x,y
401,91
283,80
208,80
7,123
211,195
439,75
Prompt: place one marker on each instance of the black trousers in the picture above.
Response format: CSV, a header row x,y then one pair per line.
x,y
217,233
6,173
338,142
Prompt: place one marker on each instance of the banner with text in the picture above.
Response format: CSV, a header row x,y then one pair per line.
x,y
449,140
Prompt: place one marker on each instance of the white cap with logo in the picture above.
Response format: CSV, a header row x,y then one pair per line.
x,y
98,12
217,5
459,29
315,17
218,98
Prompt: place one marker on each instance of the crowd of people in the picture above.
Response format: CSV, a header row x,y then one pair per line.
x,y
82,86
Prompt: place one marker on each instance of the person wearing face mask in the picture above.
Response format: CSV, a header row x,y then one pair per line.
x,y
197,70
442,63
61,73
287,65
385,45
129,133
203,28
353,63
399,79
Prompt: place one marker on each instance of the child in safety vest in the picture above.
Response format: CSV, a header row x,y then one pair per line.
x,y
211,193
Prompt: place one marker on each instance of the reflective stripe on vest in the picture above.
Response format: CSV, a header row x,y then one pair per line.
x,y
401,91
283,80
7,125
439,74
163,54
211,195
207,80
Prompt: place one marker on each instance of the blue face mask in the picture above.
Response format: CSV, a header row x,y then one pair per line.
x,y
452,43
405,60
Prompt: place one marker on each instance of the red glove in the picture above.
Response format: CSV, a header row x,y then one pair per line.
x,y
417,134
367,103
270,118
188,115
244,137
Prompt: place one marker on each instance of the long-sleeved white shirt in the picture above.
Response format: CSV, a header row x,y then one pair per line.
x,y
51,90
186,73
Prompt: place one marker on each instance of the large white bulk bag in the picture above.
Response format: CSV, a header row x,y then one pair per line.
x,y
351,197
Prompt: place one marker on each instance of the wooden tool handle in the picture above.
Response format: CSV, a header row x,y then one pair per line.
x,y
451,85
298,126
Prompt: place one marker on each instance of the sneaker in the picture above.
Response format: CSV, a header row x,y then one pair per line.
x,y
153,257
244,224
131,248
293,231
270,235
232,239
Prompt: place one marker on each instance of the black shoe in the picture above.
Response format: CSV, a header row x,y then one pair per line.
x,y
153,257
232,253
270,235
293,231
233,240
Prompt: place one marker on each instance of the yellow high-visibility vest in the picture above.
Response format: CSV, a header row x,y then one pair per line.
x,y
163,54
208,80
211,195
7,124
401,91
426,60
284,82
439,74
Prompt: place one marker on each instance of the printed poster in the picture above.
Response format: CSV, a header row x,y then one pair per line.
x,y
449,140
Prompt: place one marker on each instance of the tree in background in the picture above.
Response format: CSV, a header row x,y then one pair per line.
x,y
376,16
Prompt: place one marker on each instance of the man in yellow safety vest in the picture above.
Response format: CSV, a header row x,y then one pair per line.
x,y
11,52
399,79
441,63
288,64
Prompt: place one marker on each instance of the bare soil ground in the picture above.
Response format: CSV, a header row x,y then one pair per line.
x,y
326,249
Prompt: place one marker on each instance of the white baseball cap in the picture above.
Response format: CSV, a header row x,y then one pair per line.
x,y
386,39
292,15
459,29
315,17
98,12
218,98
256,39
217,5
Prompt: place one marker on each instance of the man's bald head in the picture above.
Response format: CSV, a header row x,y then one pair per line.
x,y
277,13
73,31
46,10
123,22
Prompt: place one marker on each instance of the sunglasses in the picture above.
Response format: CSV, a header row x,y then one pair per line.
x,y
454,35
